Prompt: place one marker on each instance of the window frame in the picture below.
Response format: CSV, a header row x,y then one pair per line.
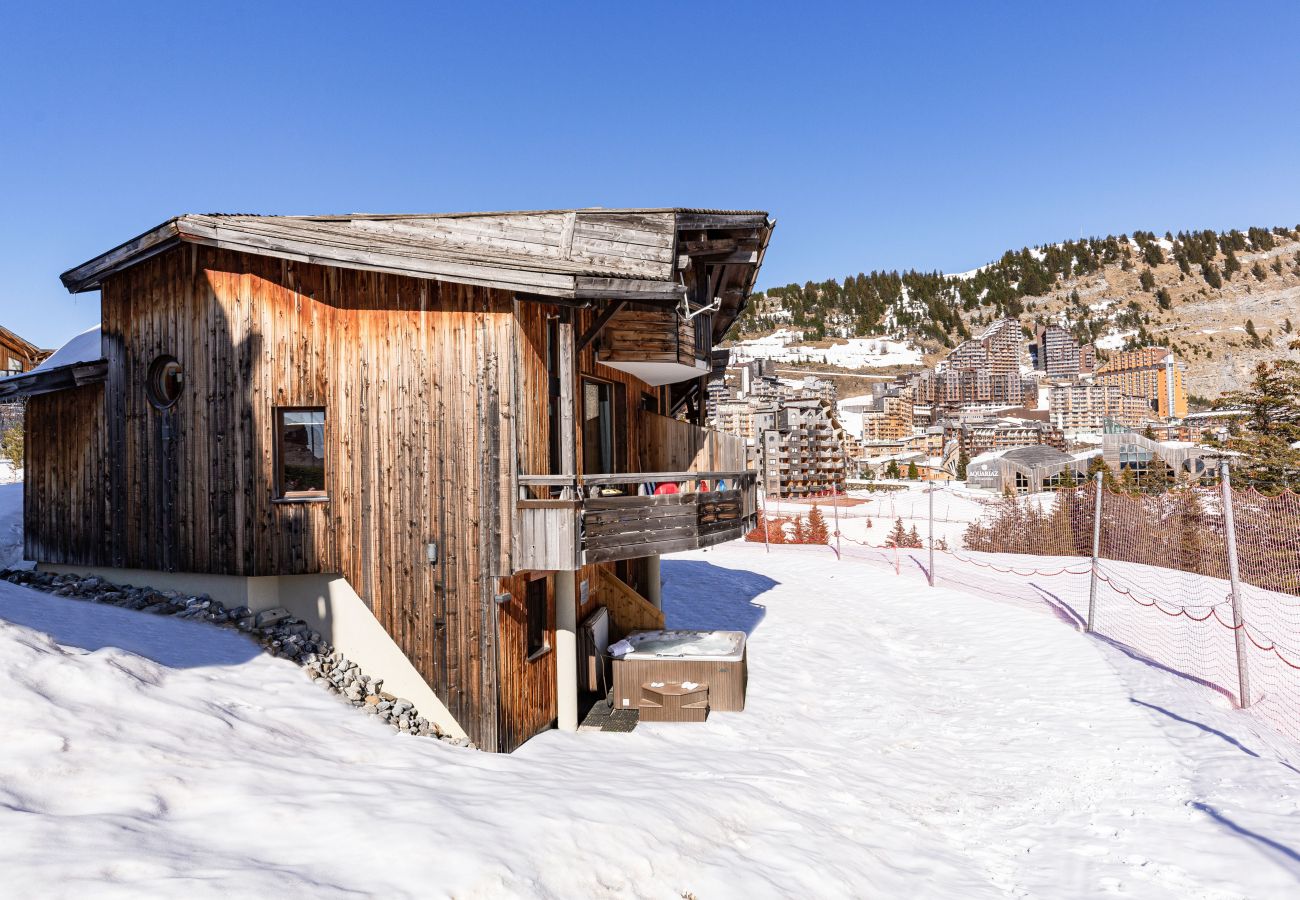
x,y
535,651
277,440
616,400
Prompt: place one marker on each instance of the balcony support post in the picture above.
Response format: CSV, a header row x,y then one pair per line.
x,y
566,650
654,582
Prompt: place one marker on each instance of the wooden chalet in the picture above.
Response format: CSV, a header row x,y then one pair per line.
x,y
18,355
443,439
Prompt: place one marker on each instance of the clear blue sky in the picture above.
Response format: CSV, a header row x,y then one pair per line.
x,y
930,136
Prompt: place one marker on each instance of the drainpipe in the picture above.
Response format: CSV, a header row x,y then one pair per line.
x,y
566,650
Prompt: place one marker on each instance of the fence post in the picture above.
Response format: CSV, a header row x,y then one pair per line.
x,y
930,571
1238,622
835,508
1096,553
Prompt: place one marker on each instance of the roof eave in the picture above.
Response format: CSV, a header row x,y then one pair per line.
x,y
89,275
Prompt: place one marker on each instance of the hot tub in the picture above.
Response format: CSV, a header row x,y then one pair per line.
x,y
713,658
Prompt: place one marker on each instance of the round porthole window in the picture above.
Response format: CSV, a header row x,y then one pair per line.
x,y
165,379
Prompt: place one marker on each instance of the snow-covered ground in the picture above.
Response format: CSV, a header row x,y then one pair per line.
x,y
899,741
854,353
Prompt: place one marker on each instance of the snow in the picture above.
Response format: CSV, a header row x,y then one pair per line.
x,y
855,353
1114,341
84,347
898,741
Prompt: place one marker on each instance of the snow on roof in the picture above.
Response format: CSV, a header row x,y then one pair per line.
x,y
85,347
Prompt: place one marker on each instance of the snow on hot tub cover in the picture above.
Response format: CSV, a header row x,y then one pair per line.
x,y
710,645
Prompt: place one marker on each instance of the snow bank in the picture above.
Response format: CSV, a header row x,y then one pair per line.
x,y
854,353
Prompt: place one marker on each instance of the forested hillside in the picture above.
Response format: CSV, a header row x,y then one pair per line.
x,y
1177,290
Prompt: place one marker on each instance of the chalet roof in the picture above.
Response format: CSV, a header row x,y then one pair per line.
x,y
79,361
582,254
21,344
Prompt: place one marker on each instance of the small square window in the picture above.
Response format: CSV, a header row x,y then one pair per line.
x,y
535,603
300,454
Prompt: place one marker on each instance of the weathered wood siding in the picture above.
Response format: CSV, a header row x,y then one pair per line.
x,y
409,372
670,445
646,334
528,686
63,500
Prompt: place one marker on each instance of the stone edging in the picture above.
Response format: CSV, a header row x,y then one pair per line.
x,y
279,634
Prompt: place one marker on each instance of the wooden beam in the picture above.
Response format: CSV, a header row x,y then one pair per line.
x,y
47,381
599,324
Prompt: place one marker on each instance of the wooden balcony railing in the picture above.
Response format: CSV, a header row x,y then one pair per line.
x,y
565,522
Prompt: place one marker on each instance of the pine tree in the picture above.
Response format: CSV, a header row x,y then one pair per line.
x,y
913,538
1258,271
817,530
1163,300
963,462
11,445
898,536
800,531
1230,264
1211,274
1272,426
1147,279
913,472
891,470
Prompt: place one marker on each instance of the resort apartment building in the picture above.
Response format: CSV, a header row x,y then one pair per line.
x,y
1152,373
982,370
887,412
1081,407
803,448
1004,434
1058,355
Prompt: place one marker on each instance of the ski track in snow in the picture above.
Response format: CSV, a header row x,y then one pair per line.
x,y
899,741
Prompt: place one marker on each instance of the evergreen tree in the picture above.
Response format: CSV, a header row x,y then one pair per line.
x,y
1211,275
1269,460
1147,279
11,445
1163,300
912,472
898,536
1252,333
1230,264
800,531
963,461
913,538
817,531
891,470
1258,271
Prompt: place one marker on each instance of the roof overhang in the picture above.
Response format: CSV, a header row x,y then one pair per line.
x,y
58,378
659,256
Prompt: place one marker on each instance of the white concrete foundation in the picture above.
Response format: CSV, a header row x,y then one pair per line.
x,y
327,603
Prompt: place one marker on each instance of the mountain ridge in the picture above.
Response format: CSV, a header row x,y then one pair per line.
x,y
1223,301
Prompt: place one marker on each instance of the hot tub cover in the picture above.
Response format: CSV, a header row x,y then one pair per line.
x,y
721,646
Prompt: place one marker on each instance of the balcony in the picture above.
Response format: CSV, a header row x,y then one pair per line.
x,y
657,346
565,522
